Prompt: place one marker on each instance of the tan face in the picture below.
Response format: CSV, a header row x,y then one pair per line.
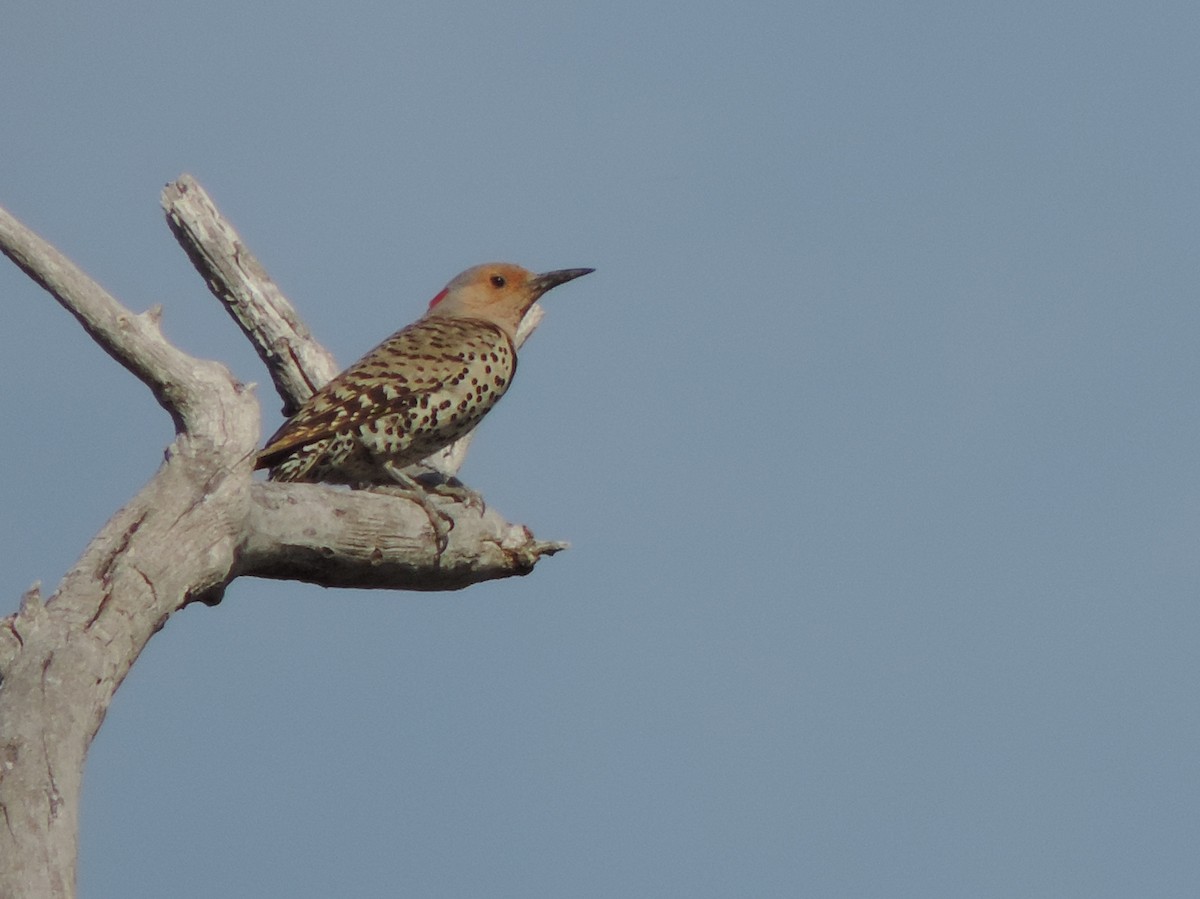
x,y
493,285
497,292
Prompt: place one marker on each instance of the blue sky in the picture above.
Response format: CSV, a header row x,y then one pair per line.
x,y
874,434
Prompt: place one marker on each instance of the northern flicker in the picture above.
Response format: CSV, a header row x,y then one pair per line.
x,y
419,390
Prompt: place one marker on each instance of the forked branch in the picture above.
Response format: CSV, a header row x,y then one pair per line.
x,y
201,522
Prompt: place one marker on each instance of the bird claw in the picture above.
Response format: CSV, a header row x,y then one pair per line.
x,y
441,537
449,486
454,489
411,489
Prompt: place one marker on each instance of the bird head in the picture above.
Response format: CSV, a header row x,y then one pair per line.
x,y
497,292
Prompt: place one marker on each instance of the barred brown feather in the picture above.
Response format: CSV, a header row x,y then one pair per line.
x,y
417,392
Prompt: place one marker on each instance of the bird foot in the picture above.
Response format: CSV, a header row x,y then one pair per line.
x,y
441,522
456,490
452,488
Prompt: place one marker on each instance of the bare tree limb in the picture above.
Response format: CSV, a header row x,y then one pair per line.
x,y
179,382
358,538
298,365
200,522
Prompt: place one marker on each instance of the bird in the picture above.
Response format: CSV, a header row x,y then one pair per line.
x,y
424,387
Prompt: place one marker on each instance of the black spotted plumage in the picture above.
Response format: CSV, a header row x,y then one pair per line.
x,y
415,393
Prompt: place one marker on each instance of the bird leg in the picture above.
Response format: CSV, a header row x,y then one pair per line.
x,y
419,495
449,486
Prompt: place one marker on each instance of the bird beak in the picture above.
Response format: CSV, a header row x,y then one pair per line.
x,y
541,283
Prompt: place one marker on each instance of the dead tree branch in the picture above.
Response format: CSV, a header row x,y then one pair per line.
x,y
298,365
201,522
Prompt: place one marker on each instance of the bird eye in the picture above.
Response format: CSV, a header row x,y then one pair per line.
x,y
498,281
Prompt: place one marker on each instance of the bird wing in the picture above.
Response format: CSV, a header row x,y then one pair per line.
x,y
392,378
337,408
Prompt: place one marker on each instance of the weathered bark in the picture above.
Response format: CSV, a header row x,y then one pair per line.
x,y
201,522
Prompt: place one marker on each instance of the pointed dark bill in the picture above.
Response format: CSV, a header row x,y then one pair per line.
x,y
542,283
